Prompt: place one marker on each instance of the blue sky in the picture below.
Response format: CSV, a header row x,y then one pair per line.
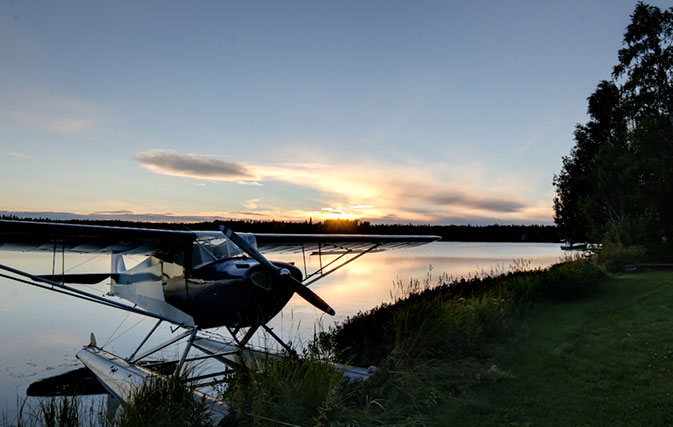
x,y
393,111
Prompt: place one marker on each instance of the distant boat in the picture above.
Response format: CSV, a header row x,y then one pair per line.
x,y
569,246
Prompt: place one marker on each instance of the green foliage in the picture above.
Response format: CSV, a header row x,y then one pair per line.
x,y
164,402
630,230
412,395
605,359
66,411
565,281
615,183
430,346
615,256
289,390
646,60
483,351
63,412
161,401
453,319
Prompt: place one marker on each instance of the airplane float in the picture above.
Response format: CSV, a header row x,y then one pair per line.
x,y
194,280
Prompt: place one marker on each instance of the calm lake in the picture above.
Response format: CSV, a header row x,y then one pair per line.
x,y
41,330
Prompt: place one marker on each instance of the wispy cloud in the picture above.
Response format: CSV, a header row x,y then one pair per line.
x,y
169,162
116,212
59,113
15,154
122,215
454,198
371,190
251,204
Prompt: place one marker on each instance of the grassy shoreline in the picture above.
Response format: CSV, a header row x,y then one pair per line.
x,y
566,345
569,345
604,359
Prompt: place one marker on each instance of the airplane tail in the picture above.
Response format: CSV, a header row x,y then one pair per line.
x,y
142,285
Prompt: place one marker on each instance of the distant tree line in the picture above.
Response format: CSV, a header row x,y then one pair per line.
x,y
458,233
617,183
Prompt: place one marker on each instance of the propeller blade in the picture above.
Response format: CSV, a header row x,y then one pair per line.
x,y
311,297
297,287
250,250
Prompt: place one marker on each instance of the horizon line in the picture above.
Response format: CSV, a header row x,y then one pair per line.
x,y
170,218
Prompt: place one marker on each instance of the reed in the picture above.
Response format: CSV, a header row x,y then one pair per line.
x,y
161,401
453,318
66,411
288,389
164,401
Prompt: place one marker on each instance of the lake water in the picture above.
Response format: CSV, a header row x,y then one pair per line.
x,y
42,331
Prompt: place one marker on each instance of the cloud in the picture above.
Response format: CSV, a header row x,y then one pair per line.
x,y
251,204
536,214
117,212
491,204
59,113
15,154
338,212
121,215
430,193
169,162
406,193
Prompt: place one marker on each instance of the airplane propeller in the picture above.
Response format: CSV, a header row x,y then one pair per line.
x,y
295,285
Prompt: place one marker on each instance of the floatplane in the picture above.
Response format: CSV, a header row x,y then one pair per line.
x,y
195,281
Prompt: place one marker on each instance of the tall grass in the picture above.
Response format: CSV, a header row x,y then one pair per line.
x,y
164,401
66,411
288,389
615,257
160,401
430,345
452,320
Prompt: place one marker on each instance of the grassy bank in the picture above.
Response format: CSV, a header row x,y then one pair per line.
x,y
570,345
606,359
566,346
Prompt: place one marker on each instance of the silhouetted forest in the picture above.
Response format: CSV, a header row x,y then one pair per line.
x,y
459,233
615,185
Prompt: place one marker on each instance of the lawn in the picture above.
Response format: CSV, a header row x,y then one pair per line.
x,y
603,359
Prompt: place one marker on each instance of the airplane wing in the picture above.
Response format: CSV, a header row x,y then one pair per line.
x,y
336,243
190,249
31,236
47,236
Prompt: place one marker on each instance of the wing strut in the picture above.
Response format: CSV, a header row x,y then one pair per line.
x,y
143,341
41,282
321,273
323,267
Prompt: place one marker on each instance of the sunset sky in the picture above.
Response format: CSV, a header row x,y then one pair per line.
x,y
439,112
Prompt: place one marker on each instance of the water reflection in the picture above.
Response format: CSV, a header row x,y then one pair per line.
x,y
43,330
